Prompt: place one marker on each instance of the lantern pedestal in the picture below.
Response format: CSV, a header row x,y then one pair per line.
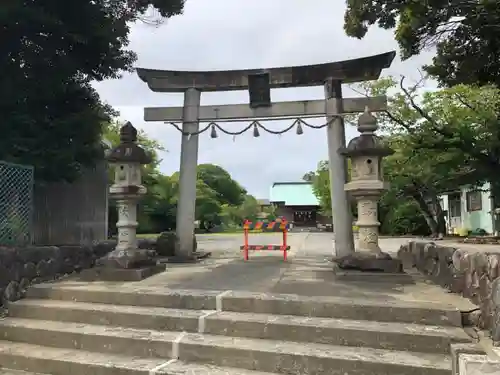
x,y
103,273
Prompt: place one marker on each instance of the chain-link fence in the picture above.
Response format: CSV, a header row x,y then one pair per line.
x,y
16,204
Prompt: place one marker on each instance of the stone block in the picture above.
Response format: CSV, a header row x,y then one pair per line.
x,y
474,275
194,258
167,244
26,357
495,292
370,262
375,277
21,267
341,308
477,364
297,358
458,349
495,321
128,259
406,257
495,327
193,300
103,273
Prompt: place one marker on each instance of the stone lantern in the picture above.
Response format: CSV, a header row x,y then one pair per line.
x,y
127,261
366,186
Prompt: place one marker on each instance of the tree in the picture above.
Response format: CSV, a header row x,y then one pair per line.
x,y
250,209
158,207
53,127
417,178
308,177
321,187
463,120
466,34
208,200
400,215
218,197
52,51
219,180
404,208
208,207
443,139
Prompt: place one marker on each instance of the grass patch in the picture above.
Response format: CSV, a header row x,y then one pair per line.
x,y
148,235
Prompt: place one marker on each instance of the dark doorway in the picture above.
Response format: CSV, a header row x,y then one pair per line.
x,y
304,217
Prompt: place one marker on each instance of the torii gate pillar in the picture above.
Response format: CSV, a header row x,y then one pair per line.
x,y
337,164
186,205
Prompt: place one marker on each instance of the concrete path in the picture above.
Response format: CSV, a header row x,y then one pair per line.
x,y
307,272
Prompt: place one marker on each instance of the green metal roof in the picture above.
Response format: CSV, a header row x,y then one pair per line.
x,y
293,194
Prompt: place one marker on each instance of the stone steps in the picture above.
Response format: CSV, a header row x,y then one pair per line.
x,y
112,329
78,362
378,309
6,371
357,333
251,354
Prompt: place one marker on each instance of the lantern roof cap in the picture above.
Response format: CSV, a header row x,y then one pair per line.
x,y
128,151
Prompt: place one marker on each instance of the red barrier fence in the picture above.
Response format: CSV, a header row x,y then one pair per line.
x,y
248,225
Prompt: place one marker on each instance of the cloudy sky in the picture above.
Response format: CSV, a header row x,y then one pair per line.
x,y
239,34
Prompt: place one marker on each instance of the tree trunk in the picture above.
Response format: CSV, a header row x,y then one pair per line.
x,y
438,214
495,202
429,217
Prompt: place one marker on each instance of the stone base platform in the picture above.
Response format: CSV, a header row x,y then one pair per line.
x,y
101,273
372,276
197,256
369,262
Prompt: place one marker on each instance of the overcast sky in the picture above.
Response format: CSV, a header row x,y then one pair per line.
x,y
239,34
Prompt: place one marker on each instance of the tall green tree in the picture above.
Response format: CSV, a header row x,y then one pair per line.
x,y
215,189
218,179
321,186
208,207
417,178
457,126
466,34
442,139
51,52
249,209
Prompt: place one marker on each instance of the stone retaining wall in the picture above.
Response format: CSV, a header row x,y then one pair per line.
x,y
23,266
474,275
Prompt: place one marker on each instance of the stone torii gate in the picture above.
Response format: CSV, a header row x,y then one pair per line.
x,y
259,83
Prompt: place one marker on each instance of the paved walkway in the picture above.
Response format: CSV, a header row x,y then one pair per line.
x,y
307,272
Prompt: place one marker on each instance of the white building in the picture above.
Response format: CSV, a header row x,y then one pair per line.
x,y
469,210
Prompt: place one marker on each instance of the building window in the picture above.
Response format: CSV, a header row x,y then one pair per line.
x,y
474,202
455,205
